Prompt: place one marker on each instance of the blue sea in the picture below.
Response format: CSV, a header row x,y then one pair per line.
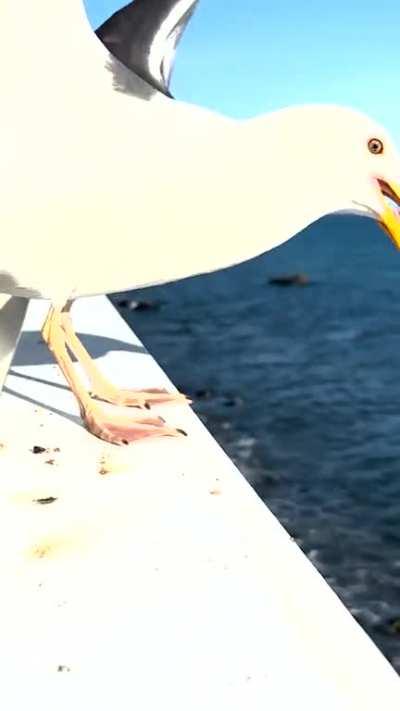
x,y
301,386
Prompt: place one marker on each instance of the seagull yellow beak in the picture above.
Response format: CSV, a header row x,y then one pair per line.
x,y
389,218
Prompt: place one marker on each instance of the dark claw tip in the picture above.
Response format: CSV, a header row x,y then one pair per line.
x,y
147,406
182,432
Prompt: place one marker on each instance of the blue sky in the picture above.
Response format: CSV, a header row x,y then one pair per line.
x,y
251,56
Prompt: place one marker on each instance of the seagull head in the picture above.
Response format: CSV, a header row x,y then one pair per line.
x,y
370,170
341,161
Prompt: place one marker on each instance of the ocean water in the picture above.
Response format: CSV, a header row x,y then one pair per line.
x,y
301,386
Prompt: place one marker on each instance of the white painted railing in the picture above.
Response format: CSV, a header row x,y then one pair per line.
x,y
153,575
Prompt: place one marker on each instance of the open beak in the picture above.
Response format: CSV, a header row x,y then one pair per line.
x,y
389,218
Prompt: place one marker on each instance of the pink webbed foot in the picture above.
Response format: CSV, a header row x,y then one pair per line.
x,y
119,429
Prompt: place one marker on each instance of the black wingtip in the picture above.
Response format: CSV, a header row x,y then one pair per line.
x,y
135,33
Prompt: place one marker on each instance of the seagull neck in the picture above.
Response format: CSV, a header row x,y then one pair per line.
x,y
289,189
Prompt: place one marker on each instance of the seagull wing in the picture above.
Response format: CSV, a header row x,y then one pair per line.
x,y
144,35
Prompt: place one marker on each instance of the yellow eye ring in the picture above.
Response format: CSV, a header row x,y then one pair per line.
x,y
375,146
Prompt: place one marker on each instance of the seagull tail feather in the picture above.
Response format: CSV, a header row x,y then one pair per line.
x,y
12,314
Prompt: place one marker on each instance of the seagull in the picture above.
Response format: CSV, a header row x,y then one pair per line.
x,y
108,183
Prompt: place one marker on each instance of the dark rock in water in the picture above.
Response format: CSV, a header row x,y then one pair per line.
x,y
232,401
388,627
290,280
394,626
138,305
203,394
146,306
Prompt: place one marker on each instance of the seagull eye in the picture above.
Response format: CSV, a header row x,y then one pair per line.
x,y
375,146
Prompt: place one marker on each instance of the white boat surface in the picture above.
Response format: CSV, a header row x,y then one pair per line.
x,y
153,575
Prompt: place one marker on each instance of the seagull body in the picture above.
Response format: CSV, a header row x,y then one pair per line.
x,y
108,184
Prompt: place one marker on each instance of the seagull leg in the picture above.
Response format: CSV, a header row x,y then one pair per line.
x,y
117,429
104,390
12,314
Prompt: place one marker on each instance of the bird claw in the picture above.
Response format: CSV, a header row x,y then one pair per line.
x,y
124,430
